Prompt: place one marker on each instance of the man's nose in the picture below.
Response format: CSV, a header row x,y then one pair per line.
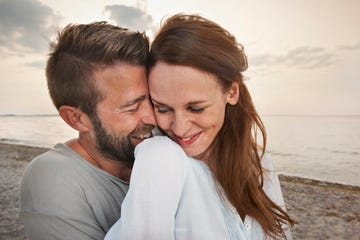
x,y
148,114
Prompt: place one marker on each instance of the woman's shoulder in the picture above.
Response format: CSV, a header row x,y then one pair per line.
x,y
160,152
160,146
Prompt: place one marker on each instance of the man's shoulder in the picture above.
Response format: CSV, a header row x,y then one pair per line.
x,y
55,159
53,181
60,170
53,171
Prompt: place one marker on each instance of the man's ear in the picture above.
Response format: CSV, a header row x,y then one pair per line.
x,y
233,94
75,118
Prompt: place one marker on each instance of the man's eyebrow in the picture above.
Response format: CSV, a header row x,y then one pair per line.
x,y
134,101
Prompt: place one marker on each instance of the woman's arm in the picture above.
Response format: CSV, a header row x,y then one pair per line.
x,y
149,208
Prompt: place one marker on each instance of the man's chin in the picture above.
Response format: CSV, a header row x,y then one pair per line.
x,y
136,141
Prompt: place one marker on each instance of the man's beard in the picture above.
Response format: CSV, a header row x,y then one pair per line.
x,y
116,147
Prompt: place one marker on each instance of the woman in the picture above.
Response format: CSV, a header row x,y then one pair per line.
x,y
225,189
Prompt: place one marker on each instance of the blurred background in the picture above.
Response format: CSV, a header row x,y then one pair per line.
x,y
303,71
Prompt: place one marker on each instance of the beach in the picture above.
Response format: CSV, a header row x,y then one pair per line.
x,y
323,210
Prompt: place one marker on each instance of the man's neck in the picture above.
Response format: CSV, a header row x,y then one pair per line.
x,y
115,168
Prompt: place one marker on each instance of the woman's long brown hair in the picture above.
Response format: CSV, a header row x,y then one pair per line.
x,y
194,41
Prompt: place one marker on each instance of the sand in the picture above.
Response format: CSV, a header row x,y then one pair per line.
x,y
323,210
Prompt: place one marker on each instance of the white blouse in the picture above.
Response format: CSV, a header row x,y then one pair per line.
x,y
172,196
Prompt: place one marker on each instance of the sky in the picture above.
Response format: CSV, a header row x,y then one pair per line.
x,y
304,56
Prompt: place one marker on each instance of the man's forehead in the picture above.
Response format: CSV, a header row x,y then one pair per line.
x,y
125,80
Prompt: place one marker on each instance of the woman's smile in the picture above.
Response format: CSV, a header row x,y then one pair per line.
x,y
187,141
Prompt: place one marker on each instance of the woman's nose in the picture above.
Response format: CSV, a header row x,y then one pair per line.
x,y
180,124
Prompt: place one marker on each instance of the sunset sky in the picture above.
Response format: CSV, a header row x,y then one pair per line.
x,y
304,56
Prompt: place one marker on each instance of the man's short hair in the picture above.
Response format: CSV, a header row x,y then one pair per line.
x,y
82,49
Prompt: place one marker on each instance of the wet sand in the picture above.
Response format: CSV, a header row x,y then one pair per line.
x,y
323,210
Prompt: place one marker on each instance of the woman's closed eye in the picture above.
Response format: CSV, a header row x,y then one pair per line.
x,y
165,109
162,109
195,109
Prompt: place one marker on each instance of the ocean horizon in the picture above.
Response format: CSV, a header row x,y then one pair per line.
x,y
319,147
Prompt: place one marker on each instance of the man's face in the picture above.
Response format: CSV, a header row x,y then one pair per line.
x,y
125,116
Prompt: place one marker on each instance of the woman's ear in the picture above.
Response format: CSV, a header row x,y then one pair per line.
x,y
233,94
75,118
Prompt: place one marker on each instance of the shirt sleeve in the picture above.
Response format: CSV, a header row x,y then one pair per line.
x,y
157,179
272,188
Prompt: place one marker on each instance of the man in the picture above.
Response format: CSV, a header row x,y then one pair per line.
x,y
96,77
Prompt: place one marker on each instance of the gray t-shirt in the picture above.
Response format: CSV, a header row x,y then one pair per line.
x,y
62,196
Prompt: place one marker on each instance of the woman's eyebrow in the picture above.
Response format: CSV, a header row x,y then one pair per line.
x,y
189,103
196,102
157,102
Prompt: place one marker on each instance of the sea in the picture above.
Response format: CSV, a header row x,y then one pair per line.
x,y
325,148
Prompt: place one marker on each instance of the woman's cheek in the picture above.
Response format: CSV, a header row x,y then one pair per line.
x,y
164,122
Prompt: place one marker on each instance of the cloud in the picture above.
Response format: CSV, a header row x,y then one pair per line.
x,y
130,17
39,64
301,57
355,46
26,26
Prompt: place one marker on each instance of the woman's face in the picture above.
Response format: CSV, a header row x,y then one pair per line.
x,y
189,105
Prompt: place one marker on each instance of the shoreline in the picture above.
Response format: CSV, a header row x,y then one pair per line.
x,y
316,182
324,210
282,177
